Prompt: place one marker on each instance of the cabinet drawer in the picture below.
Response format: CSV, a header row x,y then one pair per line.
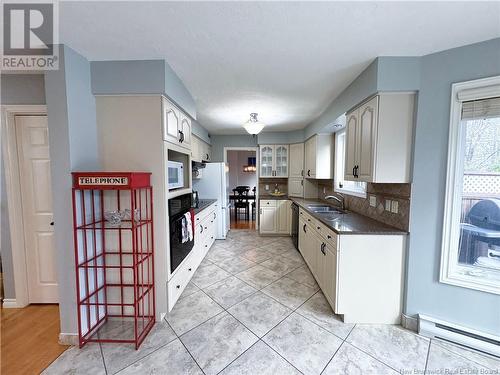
x,y
267,203
331,237
207,212
179,281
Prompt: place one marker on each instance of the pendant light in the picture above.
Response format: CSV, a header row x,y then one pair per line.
x,y
253,126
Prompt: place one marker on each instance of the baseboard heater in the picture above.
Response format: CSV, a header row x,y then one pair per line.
x,y
435,328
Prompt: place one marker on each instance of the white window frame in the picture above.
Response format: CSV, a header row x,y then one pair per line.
x,y
451,272
339,174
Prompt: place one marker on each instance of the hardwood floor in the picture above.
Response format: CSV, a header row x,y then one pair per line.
x,y
29,339
242,224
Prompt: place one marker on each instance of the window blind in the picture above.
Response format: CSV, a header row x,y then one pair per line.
x,y
481,109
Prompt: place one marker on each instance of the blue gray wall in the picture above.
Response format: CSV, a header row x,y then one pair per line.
x,y
28,89
141,77
425,294
221,141
73,147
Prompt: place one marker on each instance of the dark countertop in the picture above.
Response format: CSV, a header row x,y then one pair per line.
x,y
349,222
273,197
202,204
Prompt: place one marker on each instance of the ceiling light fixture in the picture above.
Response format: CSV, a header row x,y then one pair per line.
x,y
253,126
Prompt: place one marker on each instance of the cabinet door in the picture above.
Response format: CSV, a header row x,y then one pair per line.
x,y
209,152
185,127
281,161
171,122
296,187
194,149
329,275
267,220
366,139
296,164
306,246
284,216
315,255
310,158
266,161
350,145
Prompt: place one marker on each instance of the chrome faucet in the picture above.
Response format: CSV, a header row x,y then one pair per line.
x,y
341,200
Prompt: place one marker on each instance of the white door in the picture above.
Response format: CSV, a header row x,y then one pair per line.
x,y
266,161
367,129
281,161
267,220
34,170
297,160
350,146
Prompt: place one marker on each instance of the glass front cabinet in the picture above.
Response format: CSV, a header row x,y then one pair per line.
x,y
274,161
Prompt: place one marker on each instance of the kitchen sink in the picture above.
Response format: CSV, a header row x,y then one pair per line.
x,y
324,209
329,216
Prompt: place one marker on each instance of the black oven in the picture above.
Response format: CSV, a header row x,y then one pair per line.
x,y
178,207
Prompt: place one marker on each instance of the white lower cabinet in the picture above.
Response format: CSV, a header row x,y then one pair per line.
x,y
275,216
361,275
205,228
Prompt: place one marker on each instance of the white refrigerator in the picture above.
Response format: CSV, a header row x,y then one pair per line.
x,y
215,185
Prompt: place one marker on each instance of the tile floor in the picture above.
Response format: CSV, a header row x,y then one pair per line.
x,y
254,308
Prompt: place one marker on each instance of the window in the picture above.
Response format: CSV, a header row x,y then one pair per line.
x,y
340,185
471,230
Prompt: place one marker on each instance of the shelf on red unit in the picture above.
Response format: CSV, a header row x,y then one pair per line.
x,y
103,224
118,330
98,260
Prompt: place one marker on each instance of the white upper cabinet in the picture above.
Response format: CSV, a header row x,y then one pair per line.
x,y
185,127
281,163
319,157
379,139
266,161
176,125
274,161
296,160
200,150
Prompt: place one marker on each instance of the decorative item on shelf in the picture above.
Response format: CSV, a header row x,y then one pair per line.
x,y
250,167
253,126
114,218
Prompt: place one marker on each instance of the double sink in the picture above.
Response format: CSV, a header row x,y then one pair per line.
x,y
326,212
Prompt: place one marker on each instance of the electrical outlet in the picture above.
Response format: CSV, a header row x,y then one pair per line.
x,y
395,207
387,204
266,187
373,200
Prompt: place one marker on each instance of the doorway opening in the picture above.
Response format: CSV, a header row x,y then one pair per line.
x,y
243,185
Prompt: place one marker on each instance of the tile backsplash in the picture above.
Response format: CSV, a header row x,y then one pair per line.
x,y
399,193
271,182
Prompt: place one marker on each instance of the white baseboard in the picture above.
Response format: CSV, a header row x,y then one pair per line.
x,y
68,339
10,303
409,322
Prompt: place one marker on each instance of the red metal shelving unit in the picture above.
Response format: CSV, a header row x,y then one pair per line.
x,y
114,263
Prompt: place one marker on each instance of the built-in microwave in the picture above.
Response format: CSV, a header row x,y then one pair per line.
x,y
175,174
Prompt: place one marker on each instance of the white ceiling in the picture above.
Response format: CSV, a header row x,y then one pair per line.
x,y
285,60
